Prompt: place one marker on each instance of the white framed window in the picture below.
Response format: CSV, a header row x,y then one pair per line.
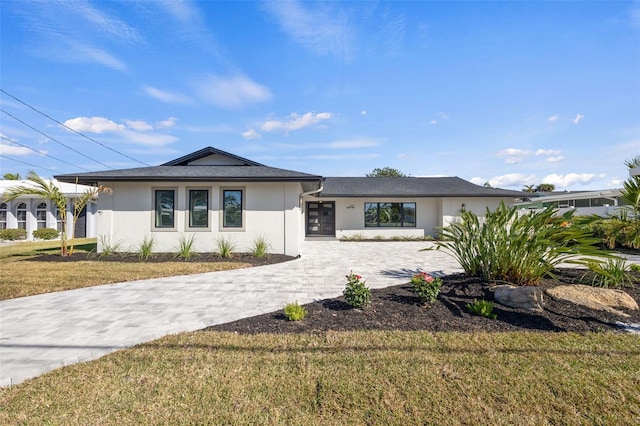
x,y
41,215
3,216
21,215
198,208
233,209
164,209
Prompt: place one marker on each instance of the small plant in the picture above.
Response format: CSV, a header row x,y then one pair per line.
x,y
295,312
146,247
260,246
612,273
185,247
108,246
353,237
426,286
45,233
484,308
226,246
635,267
357,294
13,234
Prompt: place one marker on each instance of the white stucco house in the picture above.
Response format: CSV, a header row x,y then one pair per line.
x,y
603,203
29,212
211,194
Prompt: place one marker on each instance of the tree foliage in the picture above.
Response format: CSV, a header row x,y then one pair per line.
x,y
11,176
386,172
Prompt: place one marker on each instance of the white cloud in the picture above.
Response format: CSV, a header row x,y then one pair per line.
x,y
363,112
401,156
507,180
139,125
552,119
555,159
295,122
318,30
75,51
355,143
443,115
168,123
477,180
432,122
251,134
548,152
93,125
167,97
615,182
563,181
14,150
578,118
513,155
231,92
149,139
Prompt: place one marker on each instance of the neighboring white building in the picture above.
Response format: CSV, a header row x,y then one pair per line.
x,y
30,212
212,194
602,203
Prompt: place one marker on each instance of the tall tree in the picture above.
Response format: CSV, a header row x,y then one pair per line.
x,y
529,188
11,176
386,172
545,187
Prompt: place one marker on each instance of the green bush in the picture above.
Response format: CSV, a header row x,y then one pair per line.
x,y
295,312
611,273
45,233
260,246
516,248
484,308
635,267
426,287
146,247
357,294
226,246
13,234
185,247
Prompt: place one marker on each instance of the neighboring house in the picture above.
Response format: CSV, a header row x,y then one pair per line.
x,y
212,194
30,212
602,203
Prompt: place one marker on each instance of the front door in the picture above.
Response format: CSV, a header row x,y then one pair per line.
x,y
321,218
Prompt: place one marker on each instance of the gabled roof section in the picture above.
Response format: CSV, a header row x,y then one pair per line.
x,y
409,187
210,156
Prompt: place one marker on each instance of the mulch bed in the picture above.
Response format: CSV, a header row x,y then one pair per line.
x,y
397,308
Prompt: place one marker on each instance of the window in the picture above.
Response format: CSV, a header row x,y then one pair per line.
x,y
232,208
198,208
21,216
3,216
164,208
58,220
41,215
392,215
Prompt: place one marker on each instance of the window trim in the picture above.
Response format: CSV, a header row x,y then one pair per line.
x,y
26,218
154,192
39,210
188,210
243,191
4,215
403,223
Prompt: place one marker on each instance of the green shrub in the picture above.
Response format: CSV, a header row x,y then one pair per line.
x,y
635,267
357,294
260,246
516,248
484,308
108,245
13,234
426,286
185,247
45,233
146,247
226,246
295,312
611,273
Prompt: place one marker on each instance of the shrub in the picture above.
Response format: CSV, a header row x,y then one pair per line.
x,y
295,312
484,308
611,273
357,294
108,246
635,267
13,234
185,247
426,287
260,246
45,233
516,248
146,247
226,246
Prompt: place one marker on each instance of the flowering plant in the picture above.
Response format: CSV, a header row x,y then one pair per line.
x,y
426,286
356,293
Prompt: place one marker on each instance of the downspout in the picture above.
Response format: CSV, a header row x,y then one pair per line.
x,y
315,191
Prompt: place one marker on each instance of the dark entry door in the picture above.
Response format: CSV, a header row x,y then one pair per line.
x,y
80,231
321,218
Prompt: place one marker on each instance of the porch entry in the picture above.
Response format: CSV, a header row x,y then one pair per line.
x,y
321,218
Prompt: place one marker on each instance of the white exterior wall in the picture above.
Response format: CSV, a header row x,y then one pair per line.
x,y
270,210
452,207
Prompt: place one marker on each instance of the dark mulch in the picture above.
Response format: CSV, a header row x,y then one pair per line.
x,y
164,257
397,308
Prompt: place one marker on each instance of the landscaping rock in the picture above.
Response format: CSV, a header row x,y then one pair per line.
x,y
526,297
602,299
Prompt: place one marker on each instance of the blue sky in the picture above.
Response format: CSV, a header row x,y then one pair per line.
x,y
513,93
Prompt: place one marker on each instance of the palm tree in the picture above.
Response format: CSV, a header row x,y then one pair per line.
x,y
11,176
529,188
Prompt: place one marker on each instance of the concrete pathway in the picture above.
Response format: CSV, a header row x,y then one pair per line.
x,y
44,332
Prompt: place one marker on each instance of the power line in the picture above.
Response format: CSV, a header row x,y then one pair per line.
x,y
74,131
28,164
43,153
55,140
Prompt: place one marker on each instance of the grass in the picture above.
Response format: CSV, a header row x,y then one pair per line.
x,y
340,378
24,277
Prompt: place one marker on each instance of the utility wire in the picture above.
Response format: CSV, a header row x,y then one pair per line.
x,y
28,164
43,153
53,139
74,131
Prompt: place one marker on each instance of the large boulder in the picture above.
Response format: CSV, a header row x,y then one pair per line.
x,y
526,297
602,299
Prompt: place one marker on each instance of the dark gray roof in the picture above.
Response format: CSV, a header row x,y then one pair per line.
x,y
204,152
409,187
192,173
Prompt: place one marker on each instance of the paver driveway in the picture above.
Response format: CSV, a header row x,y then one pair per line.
x,y
44,332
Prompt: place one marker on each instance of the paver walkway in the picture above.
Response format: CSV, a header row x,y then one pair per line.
x,y
44,332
